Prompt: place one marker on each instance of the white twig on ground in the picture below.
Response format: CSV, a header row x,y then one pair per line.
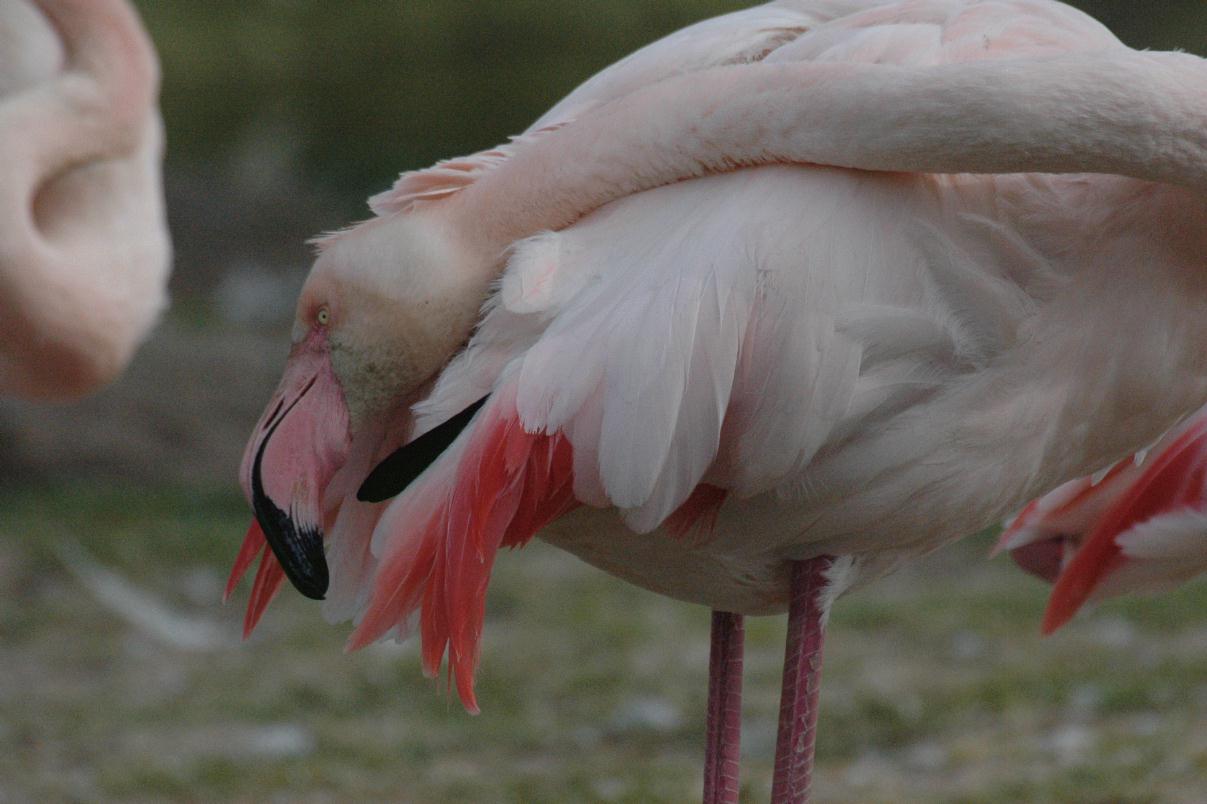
x,y
151,616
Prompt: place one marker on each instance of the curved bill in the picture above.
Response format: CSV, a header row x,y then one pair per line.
x,y
295,450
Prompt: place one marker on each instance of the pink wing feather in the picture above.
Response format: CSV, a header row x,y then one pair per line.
x,y
497,490
507,484
1090,536
1042,537
268,577
1172,483
253,543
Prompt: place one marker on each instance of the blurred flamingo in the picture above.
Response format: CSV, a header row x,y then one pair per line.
x,y
772,305
1138,526
84,248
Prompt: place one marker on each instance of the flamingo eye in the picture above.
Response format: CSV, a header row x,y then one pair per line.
x,y
322,317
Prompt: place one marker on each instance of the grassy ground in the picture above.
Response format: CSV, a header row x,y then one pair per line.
x,y
937,685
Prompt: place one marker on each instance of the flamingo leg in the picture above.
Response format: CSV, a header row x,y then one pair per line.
x,y
802,683
724,732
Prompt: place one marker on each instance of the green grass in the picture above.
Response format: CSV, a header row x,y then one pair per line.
x,y
938,687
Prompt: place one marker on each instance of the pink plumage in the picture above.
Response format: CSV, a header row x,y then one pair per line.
x,y
269,577
267,583
253,543
509,484
1101,536
830,284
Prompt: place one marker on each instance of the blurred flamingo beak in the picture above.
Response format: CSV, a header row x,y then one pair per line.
x,y
295,450
1045,558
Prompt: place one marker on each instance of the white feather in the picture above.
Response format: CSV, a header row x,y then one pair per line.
x,y
1178,536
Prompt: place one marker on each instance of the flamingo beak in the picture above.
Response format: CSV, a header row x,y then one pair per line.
x,y
1045,558
295,450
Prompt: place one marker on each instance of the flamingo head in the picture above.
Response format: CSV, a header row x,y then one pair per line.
x,y
386,304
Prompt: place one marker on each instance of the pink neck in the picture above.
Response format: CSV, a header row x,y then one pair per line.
x,y
1142,115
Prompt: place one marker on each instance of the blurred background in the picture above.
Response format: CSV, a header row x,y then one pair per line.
x,y
121,677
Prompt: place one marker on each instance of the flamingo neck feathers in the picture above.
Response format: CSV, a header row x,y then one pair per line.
x,y
448,176
1142,115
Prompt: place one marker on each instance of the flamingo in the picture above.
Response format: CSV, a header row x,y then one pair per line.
x,y
84,249
749,318
1139,525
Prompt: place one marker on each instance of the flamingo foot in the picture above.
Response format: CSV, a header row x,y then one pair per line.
x,y
802,683
724,732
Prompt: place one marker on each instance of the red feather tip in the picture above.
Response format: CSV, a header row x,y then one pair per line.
x,y
253,543
507,485
1174,480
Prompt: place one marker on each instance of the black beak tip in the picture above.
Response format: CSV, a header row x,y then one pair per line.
x,y
298,547
300,551
313,588
308,573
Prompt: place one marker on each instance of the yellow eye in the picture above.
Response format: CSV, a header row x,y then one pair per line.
x,y
322,317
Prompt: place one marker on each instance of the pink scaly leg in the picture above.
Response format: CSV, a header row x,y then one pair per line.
x,y
802,683
724,734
